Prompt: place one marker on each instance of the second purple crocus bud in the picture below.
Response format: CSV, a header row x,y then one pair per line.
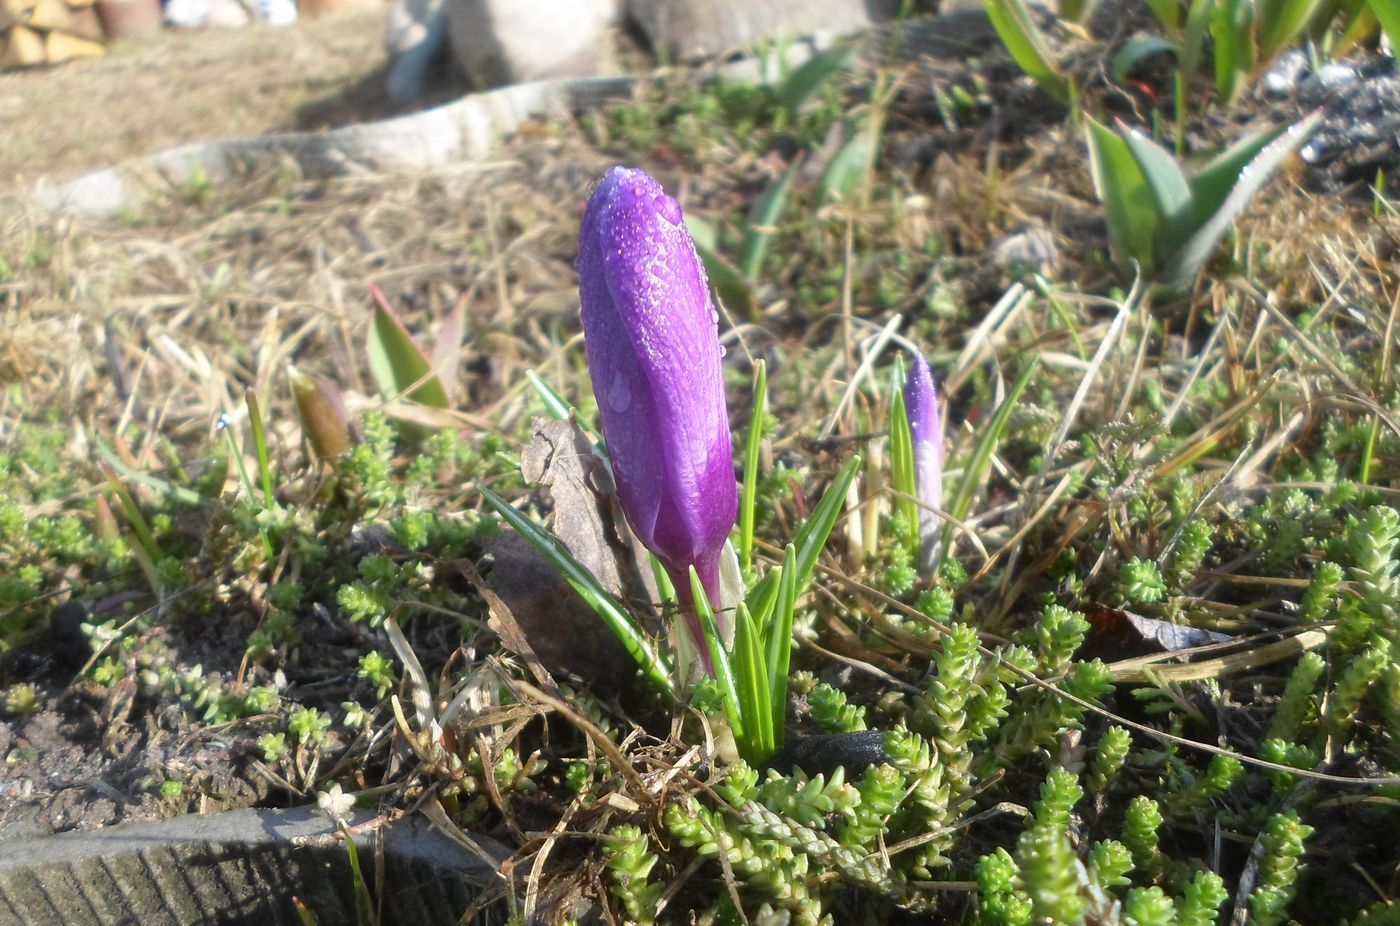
x,y
926,432
651,334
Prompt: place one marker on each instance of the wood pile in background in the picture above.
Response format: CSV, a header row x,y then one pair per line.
x,y
47,32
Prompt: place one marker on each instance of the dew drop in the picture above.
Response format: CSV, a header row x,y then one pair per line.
x,y
619,393
669,209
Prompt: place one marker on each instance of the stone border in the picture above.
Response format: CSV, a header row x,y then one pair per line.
x,y
240,867
459,131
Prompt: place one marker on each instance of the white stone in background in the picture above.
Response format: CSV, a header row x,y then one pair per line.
x,y
685,30
205,14
501,42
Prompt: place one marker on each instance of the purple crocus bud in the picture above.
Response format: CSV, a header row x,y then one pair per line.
x,y
652,338
926,431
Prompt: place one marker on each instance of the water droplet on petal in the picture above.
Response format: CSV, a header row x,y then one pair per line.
x,y
619,393
669,209
722,351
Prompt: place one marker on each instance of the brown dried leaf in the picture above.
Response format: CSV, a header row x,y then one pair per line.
x,y
552,619
587,518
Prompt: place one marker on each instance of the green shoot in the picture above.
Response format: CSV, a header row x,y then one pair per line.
x,y
981,459
399,366
1163,220
748,498
255,421
1015,24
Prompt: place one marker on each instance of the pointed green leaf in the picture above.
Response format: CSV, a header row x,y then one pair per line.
x,y
734,292
1170,192
1026,43
1168,13
1281,23
1129,207
763,222
751,682
1193,44
396,361
1192,256
1077,11
1213,182
1232,26
809,78
902,478
1126,61
846,172
1387,13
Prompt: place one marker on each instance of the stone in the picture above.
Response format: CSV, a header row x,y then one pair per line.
x,y
686,30
500,42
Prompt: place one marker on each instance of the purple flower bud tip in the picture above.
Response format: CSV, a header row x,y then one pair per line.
x,y
926,431
651,334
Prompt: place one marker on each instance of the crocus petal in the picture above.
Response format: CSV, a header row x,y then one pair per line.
x,y
926,430
651,335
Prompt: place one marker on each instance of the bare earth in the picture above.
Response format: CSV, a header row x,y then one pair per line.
x,y
176,87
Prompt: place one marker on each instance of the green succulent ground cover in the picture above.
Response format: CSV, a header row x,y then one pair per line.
x,y
1221,461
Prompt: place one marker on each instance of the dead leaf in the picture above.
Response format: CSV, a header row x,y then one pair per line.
x,y
561,629
502,620
587,518
1122,633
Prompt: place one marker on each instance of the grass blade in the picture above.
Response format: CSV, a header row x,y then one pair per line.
x,y
553,402
778,642
255,421
981,458
1281,22
1387,13
902,477
1168,13
719,658
1135,52
810,539
846,172
133,513
763,223
1077,11
734,292
1232,25
1193,43
363,903
751,684
654,665
749,499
